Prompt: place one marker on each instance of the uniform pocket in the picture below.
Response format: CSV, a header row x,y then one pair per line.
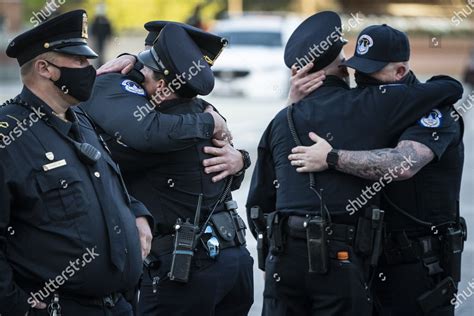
x,y
62,192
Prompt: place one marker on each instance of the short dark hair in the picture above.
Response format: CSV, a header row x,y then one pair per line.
x,y
158,76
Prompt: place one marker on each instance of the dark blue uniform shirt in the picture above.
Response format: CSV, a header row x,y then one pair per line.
x,y
50,218
121,108
352,119
431,195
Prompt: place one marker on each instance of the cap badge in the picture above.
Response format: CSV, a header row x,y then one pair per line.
x,y
363,44
432,120
84,26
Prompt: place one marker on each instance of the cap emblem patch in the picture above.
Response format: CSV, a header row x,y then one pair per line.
x,y
432,120
363,44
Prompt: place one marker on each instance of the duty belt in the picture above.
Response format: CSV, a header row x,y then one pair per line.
x,y
295,228
400,249
108,301
163,244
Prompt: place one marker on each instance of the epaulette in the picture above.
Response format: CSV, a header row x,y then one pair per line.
x,y
9,119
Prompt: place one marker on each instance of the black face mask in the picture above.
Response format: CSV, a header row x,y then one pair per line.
x,y
77,82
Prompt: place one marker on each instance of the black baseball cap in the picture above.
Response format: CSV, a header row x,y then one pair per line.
x,y
377,46
317,39
210,44
66,33
175,53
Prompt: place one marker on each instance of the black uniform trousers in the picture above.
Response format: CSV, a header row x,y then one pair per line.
x,y
221,287
70,307
397,288
291,290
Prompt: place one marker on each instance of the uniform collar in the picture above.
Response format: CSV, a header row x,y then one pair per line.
x,y
34,101
330,81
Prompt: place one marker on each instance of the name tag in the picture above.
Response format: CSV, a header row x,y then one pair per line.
x,y
54,165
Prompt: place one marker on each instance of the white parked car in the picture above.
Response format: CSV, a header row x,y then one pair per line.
x,y
252,65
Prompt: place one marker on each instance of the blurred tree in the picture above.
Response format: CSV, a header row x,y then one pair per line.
x,y
133,14
30,6
267,5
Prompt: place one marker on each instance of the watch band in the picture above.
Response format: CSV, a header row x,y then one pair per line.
x,y
247,162
332,158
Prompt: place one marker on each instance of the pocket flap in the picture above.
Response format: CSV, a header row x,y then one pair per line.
x,y
57,179
224,225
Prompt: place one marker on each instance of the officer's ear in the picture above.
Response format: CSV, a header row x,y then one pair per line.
x,y
400,71
44,69
160,85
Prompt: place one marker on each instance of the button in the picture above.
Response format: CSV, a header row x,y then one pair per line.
x,y
63,183
97,174
126,250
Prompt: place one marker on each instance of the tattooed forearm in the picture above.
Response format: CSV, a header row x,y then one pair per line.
x,y
401,162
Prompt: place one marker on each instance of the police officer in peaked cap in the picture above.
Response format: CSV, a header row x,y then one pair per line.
x,y
69,242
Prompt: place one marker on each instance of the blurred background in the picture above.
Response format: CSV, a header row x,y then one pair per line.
x,y
251,79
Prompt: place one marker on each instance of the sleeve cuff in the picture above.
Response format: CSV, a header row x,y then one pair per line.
x,y
208,125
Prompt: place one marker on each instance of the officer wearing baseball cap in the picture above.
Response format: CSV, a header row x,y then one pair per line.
x,y
321,248
377,46
75,248
426,244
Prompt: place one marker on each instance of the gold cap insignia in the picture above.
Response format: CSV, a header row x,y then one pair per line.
x,y
208,60
84,26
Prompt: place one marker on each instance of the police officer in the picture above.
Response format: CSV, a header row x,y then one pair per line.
x,y
170,185
320,253
419,271
69,242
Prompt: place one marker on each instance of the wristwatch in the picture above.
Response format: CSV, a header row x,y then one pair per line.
x,y
332,158
247,162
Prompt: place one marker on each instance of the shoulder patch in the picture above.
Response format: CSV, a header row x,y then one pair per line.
x,y
132,87
432,120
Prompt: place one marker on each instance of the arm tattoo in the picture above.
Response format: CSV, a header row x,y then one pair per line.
x,y
375,164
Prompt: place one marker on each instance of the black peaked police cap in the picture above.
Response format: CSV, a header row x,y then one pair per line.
x,y
210,44
66,33
378,45
317,39
176,56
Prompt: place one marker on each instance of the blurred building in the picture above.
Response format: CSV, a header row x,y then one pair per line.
x,y
11,15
